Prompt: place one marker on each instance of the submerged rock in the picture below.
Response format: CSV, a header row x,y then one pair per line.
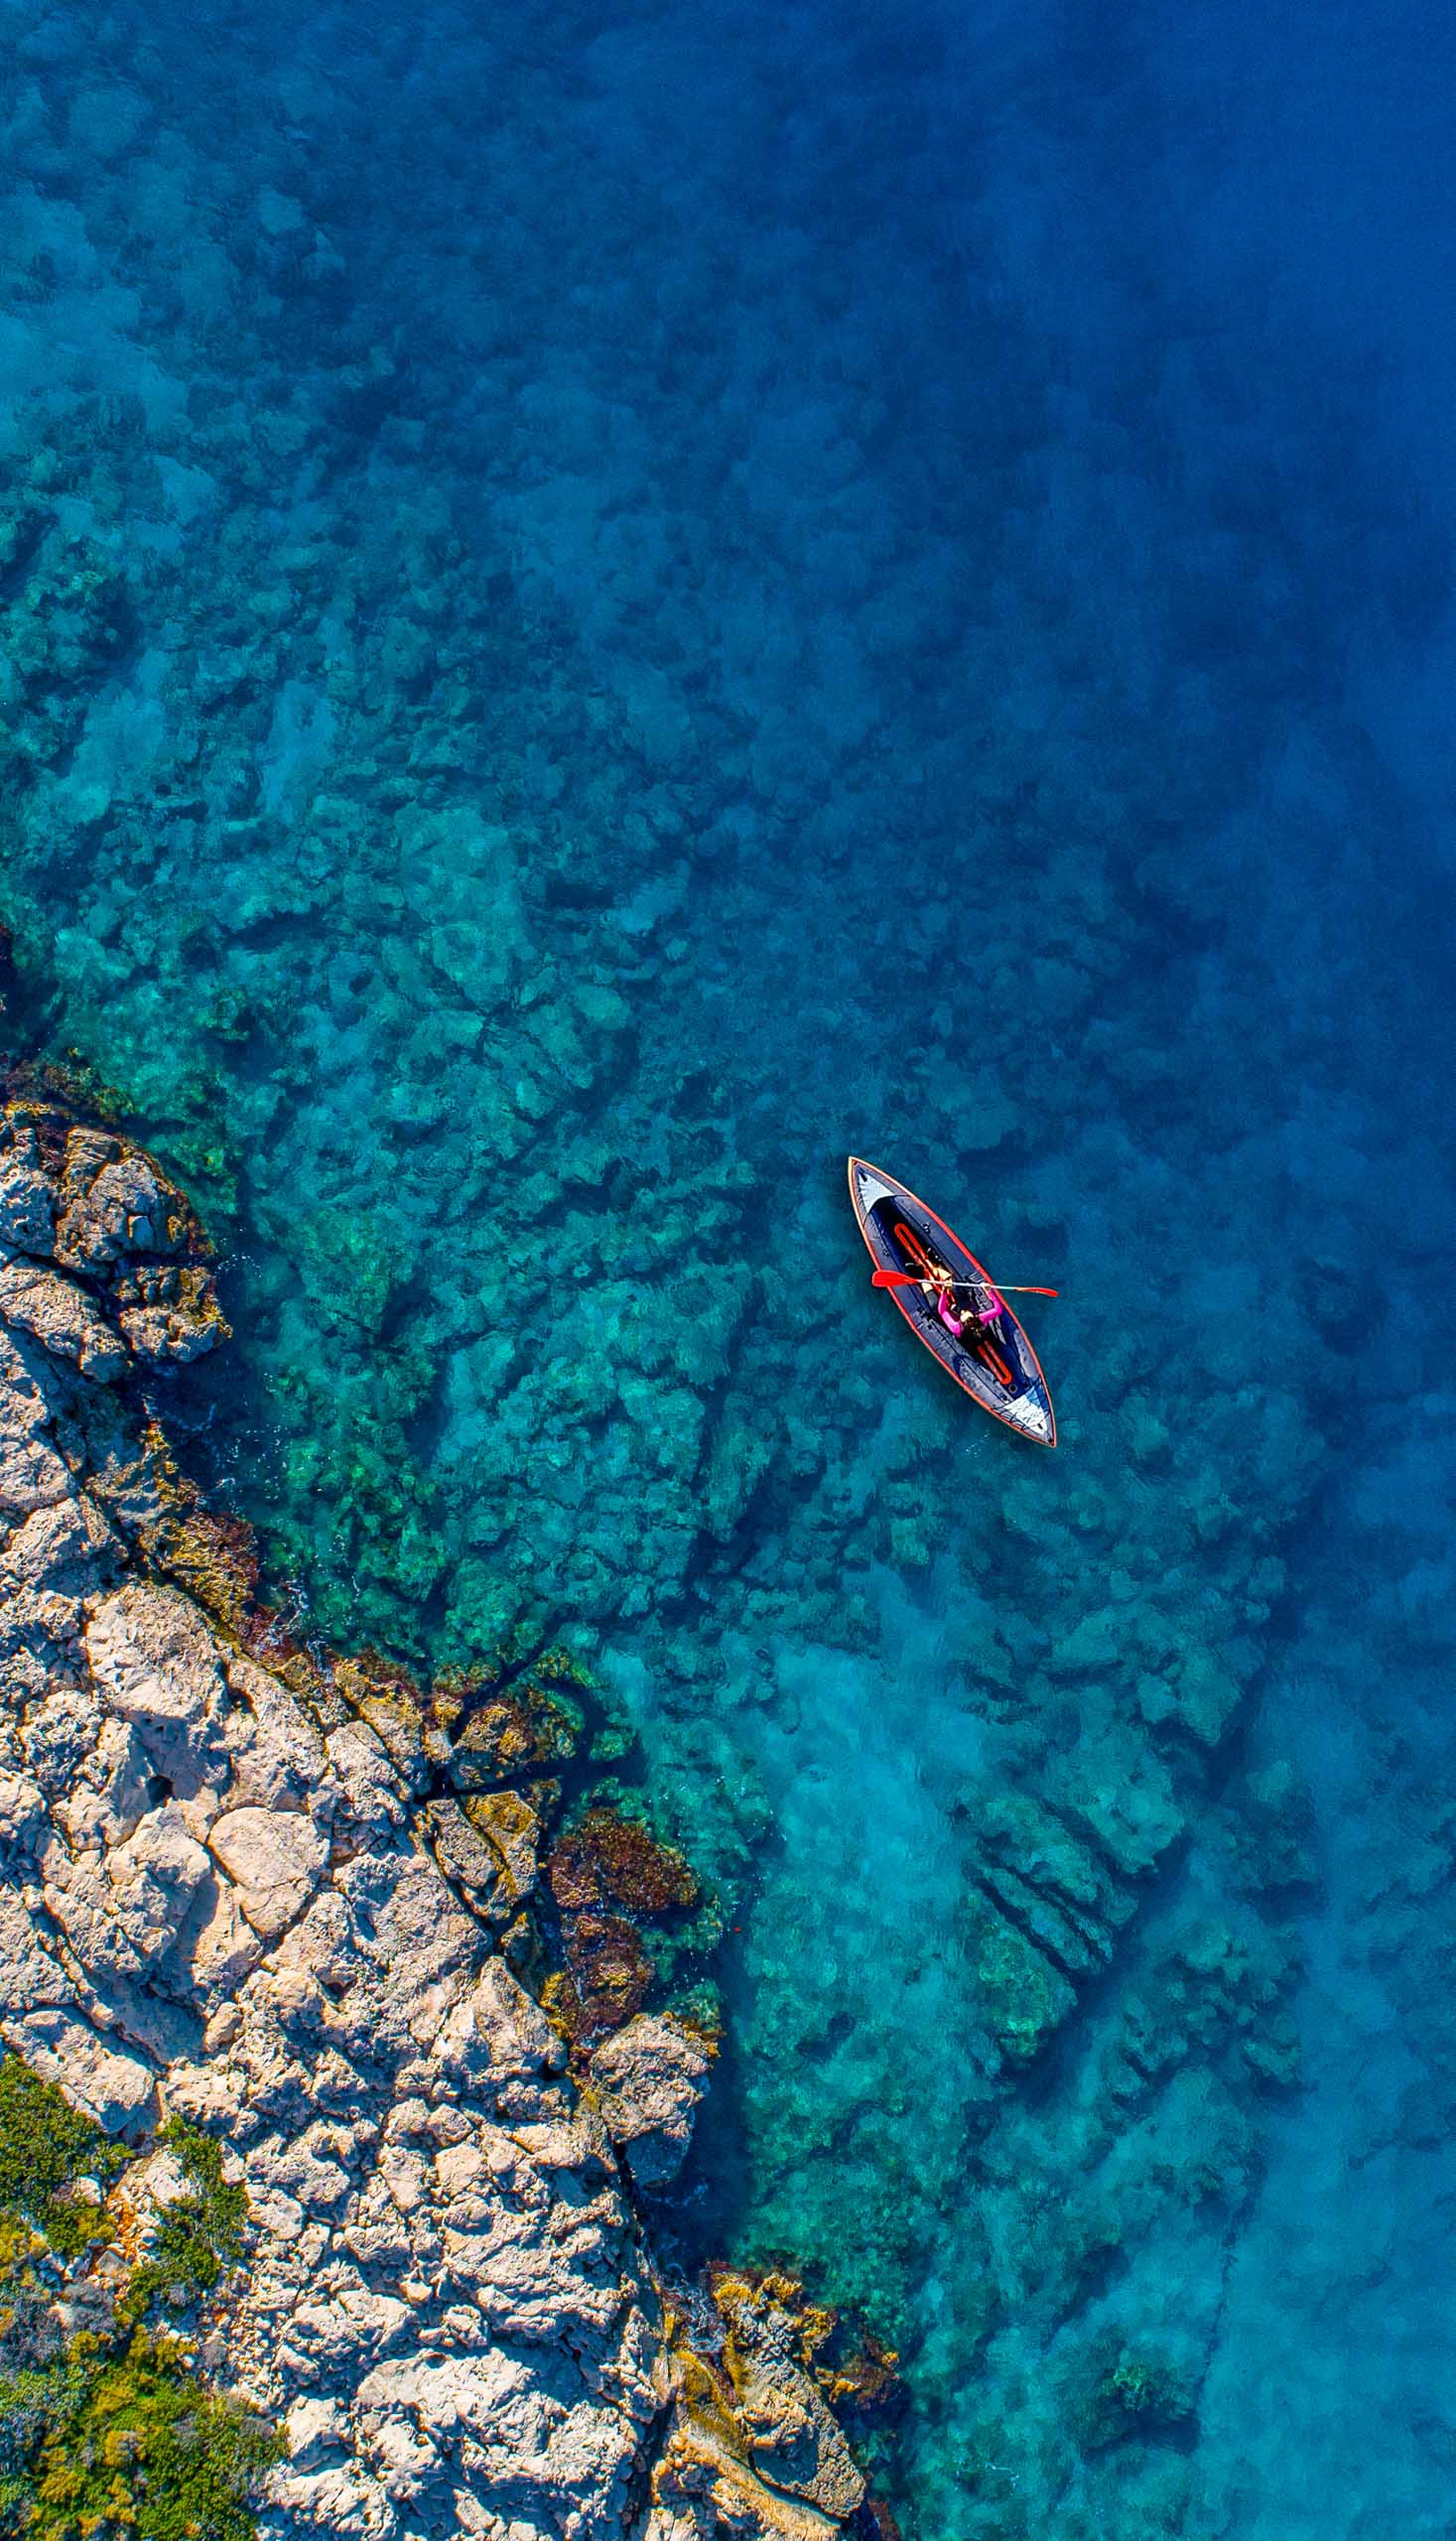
x,y
751,2420
227,1893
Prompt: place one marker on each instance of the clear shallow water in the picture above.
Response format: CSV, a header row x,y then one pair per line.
x,y
603,610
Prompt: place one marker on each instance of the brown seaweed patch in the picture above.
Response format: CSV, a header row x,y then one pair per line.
x,y
607,1875
209,1553
512,1825
558,1667
215,1561
398,1708
865,2378
607,1976
709,2396
366,1676
876,2521
607,1859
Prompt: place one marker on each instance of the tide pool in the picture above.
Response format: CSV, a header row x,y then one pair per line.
x,y
599,612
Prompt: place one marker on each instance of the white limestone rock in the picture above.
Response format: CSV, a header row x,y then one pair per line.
x,y
225,1948
32,1977
22,1812
278,1756
32,1475
154,1663
27,1197
58,1733
114,1203
275,1860
63,1318
124,1911
115,2088
648,2079
514,2032
68,1550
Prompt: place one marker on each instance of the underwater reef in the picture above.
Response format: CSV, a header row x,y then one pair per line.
x,y
271,1901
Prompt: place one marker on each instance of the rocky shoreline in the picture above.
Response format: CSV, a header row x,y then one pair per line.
x,y
281,1896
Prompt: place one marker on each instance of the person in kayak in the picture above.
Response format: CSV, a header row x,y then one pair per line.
x,y
975,1325
962,1323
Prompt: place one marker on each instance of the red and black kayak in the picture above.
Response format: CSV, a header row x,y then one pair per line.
x,y
993,1362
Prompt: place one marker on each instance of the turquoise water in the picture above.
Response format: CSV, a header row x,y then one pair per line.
x,y
602,609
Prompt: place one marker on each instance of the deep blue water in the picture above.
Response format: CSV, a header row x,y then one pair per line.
x,y
602,608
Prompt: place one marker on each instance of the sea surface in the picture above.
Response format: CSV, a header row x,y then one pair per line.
x,y
602,606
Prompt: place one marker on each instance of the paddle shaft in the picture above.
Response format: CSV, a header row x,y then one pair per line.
x,y
916,1279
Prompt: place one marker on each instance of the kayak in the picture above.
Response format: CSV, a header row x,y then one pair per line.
x,y
998,1367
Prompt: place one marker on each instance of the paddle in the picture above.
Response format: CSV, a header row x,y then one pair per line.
x,y
915,1280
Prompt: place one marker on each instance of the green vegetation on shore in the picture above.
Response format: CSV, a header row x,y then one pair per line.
x,y
107,2427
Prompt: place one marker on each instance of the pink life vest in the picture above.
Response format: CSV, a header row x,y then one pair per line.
x,y
956,1323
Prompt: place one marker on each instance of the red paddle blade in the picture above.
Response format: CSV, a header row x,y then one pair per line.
x,y
896,1279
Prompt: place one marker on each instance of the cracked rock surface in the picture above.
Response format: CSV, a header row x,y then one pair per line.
x,y
223,1896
